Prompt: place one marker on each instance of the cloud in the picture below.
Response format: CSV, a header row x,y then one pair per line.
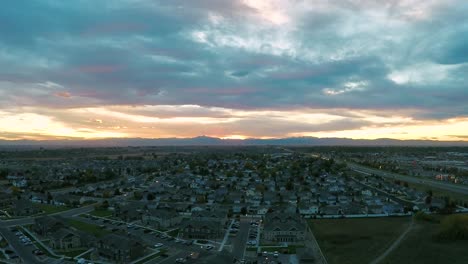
x,y
402,56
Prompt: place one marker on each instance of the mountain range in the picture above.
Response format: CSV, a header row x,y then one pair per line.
x,y
213,141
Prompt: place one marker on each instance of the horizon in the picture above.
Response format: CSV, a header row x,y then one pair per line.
x,y
234,70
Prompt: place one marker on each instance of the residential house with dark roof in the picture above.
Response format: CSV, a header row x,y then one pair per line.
x,y
161,218
119,248
201,229
284,227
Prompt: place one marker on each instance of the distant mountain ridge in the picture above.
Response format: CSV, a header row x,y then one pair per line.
x,y
213,141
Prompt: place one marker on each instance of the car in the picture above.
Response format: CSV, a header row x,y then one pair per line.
x,y
18,233
158,245
181,260
275,254
209,247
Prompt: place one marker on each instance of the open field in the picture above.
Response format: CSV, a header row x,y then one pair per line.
x,y
349,241
51,209
420,247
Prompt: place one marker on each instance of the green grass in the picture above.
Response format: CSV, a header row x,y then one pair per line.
x,y
51,209
101,213
291,249
420,246
88,228
348,241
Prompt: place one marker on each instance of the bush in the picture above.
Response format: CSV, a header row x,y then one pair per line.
x,y
454,227
423,217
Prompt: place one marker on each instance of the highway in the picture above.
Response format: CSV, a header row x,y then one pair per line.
x,y
457,188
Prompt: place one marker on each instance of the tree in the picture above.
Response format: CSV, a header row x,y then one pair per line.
x,y
289,186
105,204
243,210
137,195
150,197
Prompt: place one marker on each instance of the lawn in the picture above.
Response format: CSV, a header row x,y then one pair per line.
x,y
88,228
420,247
101,213
51,209
348,241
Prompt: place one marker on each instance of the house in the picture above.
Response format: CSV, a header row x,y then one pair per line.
x,y
214,215
161,218
38,198
308,209
375,209
47,225
119,248
65,239
331,210
128,212
200,229
284,227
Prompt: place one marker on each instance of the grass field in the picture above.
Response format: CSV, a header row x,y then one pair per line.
x,y
101,213
420,247
88,228
349,241
50,209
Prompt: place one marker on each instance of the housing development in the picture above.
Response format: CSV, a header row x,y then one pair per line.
x,y
216,204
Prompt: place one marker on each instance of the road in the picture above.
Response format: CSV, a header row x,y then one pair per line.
x,y
458,188
240,241
30,220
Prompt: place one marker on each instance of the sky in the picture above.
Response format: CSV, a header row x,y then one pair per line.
x,y
361,69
